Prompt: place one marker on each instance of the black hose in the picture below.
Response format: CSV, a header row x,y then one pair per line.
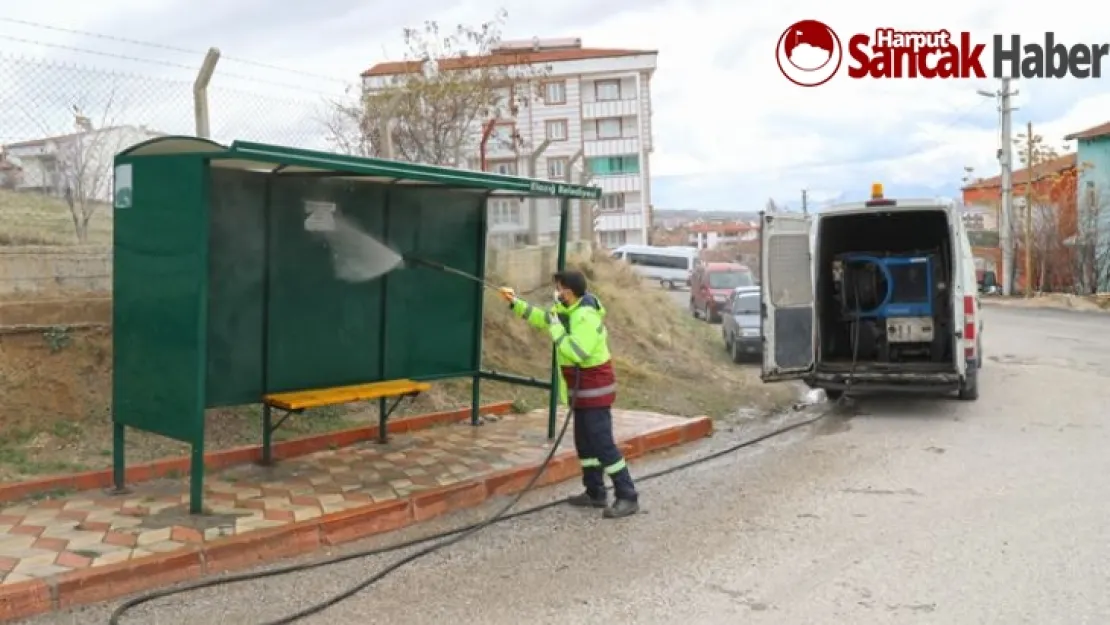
x,y
458,534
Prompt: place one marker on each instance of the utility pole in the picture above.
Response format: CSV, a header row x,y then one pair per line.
x,y
805,205
1005,160
1028,216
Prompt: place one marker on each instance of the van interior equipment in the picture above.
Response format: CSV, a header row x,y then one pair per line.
x,y
890,304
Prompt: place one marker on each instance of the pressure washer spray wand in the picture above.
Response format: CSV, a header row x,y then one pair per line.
x,y
413,261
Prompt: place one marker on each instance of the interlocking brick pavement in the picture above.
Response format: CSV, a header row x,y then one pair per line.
x,y
48,537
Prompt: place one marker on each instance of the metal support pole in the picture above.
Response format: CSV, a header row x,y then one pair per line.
x,y
200,92
533,204
560,264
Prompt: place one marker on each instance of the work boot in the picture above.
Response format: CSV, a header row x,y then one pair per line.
x,y
621,508
588,500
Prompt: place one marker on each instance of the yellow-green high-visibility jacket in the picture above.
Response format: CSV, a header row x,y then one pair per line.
x,y
582,349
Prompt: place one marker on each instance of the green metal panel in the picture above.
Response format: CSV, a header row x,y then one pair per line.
x,y
160,297
322,331
236,269
430,314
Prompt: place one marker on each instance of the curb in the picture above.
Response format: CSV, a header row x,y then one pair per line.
x,y
111,581
175,467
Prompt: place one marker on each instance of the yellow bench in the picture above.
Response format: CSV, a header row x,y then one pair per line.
x,y
292,402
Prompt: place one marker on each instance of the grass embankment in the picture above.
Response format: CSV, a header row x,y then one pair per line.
x,y
37,219
56,385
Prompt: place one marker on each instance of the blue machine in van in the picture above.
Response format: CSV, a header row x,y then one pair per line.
x,y
908,282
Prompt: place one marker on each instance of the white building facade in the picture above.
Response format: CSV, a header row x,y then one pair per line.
x,y
594,105
79,163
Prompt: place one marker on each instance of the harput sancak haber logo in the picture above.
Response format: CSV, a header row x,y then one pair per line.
x,y
809,54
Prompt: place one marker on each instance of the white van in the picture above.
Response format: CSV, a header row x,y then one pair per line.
x,y
878,295
671,266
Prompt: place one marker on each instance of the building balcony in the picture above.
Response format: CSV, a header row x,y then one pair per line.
x,y
611,147
629,219
610,108
623,183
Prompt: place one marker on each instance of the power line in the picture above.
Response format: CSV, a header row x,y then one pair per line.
x,y
159,62
161,46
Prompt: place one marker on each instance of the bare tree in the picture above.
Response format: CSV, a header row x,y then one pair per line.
x,y
449,85
1092,245
1047,201
84,166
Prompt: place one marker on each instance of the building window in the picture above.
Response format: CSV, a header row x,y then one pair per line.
x,y
611,202
609,128
614,165
556,129
507,168
612,238
557,168
606,90
504,212
555,92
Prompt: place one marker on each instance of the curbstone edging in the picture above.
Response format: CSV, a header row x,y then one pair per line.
x,y
25,599
93,480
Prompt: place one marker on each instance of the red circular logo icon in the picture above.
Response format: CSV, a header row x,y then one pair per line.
x,y
809,53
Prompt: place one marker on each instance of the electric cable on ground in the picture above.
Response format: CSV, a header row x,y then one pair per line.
x,y
456,535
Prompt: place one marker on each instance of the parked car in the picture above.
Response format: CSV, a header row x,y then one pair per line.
x,y
711,284
740,324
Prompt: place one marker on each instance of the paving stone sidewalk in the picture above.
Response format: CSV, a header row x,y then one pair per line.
x,y
48,537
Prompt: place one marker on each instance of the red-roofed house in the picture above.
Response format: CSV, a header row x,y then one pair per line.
x,y
708,236
1052,185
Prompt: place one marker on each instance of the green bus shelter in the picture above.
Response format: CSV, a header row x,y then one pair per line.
x,y
229,284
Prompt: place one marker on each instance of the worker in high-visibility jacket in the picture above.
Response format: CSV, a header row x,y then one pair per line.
x,y
587,384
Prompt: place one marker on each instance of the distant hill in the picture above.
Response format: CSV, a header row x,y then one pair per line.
x,y
694,214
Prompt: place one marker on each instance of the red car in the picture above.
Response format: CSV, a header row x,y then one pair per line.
x,y
711,285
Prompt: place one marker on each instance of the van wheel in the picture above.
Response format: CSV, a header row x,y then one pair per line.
x,y
969,388
667,284
834,394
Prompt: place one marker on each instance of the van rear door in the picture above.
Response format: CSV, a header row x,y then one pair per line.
x,y
787,311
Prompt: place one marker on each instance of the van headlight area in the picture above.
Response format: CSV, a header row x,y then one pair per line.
x,y
720,299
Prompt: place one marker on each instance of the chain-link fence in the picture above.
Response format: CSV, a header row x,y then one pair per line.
x,y
61,123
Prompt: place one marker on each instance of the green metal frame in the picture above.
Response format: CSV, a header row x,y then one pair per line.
x,y
188,152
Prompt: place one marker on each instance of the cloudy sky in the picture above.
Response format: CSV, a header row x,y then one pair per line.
x,y
730,131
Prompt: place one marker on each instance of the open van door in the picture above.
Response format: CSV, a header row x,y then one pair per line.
x,y
787,311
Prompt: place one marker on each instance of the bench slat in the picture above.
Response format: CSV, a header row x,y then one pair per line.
x,y
315,398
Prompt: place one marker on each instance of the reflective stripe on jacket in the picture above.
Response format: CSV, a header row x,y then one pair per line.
x,y
582,349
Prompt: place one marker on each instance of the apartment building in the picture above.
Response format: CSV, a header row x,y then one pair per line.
x,y
594,105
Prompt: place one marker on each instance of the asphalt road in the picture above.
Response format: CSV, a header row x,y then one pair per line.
x,y
894,511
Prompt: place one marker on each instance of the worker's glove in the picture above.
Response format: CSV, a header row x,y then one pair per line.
x,y
507,293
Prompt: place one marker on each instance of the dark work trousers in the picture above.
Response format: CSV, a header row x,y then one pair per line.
x,y
599,454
